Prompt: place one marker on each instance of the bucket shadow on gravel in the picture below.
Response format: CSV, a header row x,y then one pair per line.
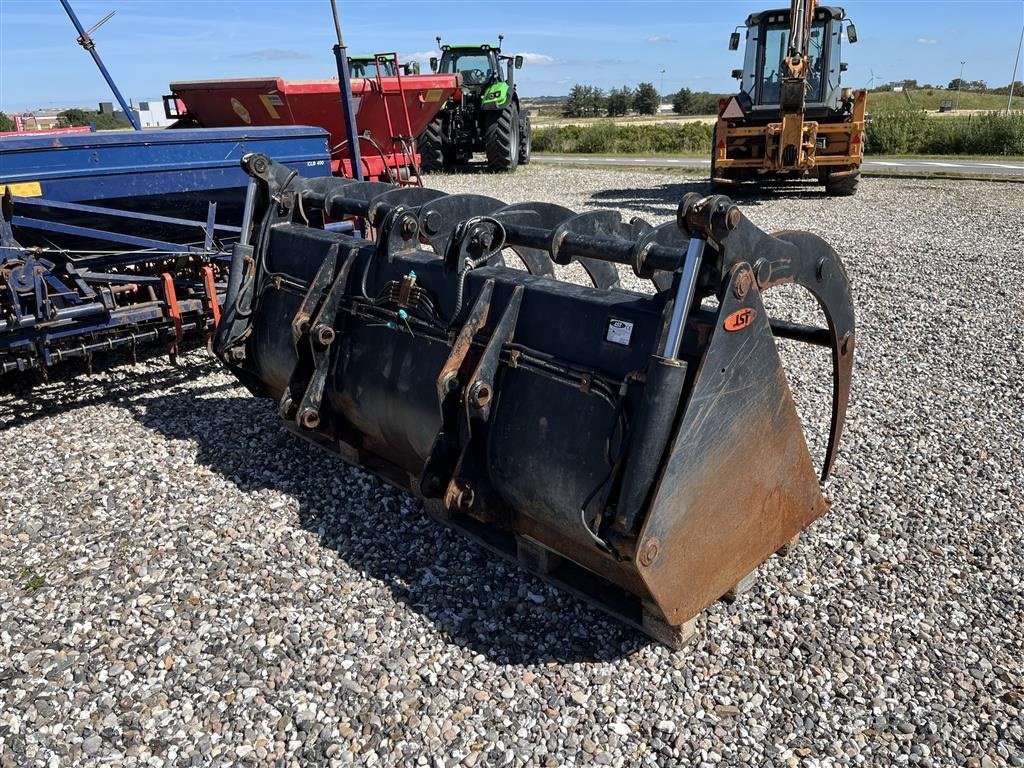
x,y
26,397
663,200
474,599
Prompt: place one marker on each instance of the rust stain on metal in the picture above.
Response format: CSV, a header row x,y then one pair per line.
x,y
463,342
720,531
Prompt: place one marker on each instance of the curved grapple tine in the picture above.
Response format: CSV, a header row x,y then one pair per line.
x,y
602,274
408,197
819,270
353,199
667,234
439,218
804,259
662,280
594,224
534,214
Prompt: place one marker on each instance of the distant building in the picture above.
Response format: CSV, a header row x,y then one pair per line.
x,y
39,119
150,114
107,108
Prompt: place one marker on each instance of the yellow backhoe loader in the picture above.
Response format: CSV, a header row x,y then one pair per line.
x,y
792,117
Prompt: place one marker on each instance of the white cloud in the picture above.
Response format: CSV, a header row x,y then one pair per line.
x,y
423,57
927,40
271,54
538,59
660,39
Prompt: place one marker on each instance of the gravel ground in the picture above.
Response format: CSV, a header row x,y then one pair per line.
x,y
183,583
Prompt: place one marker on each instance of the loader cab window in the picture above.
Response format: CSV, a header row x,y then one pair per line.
x,y
476,68
775,39
772,62
834,59
817,75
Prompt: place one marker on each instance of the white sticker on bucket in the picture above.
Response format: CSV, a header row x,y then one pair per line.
x,y
619,332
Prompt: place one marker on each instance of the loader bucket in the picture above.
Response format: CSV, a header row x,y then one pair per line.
x,y
641,449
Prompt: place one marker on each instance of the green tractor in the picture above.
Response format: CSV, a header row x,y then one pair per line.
x,y
482,116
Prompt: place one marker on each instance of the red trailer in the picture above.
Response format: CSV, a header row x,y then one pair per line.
x,y
390,112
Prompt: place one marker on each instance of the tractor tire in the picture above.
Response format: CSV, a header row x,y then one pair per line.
x,y
502,140
430,145
844,187
525,140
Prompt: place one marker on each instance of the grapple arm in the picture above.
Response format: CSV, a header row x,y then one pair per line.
x,y
648,439
791,257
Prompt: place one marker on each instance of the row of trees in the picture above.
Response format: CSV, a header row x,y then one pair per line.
x,y
980,86
687,102
70,118
590,101
974,86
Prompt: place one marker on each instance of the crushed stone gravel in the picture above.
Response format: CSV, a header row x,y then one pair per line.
x,y
184,583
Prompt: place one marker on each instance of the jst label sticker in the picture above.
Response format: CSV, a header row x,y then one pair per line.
x,y
619,332
740,320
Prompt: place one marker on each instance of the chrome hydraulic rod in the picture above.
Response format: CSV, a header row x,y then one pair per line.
x,y
684,297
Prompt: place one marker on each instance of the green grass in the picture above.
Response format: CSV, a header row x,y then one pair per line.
x,y
33,581
902,131
914,132
609,138
887,101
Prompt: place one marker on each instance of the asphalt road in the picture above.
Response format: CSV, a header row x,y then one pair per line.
x,y
950,167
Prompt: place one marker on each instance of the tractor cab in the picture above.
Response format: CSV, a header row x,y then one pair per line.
x,y
478,65
366,66
764,62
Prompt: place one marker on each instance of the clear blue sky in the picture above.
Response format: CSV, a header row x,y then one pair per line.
x,y
149,43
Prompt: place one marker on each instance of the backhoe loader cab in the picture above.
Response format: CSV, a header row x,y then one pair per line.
x,y
792,116
765,54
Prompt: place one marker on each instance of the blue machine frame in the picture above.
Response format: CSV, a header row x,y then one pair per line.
x,y
111,240
57,305
150,170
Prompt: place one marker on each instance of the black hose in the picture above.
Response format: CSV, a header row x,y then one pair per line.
x,y
471,264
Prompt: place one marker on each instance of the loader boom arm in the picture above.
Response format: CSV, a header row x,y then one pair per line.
x,y
801,14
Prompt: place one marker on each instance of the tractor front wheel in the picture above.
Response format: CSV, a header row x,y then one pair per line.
x,y
502,139
841,187
525,140
430,146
